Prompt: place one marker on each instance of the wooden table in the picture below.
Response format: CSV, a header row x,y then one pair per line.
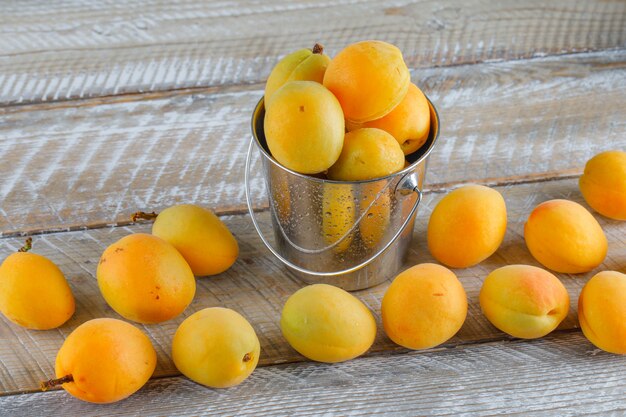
x,y
111,107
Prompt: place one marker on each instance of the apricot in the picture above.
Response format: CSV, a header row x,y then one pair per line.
x,y
369,79
408,122
603,184
602,311
216,347
33,292
367,154
377,201
145,279
200,236
467,226
338,216
564,237
424,306
524,301
327,324
302,65
104,360
304,127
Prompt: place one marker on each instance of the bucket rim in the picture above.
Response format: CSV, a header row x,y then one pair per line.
x,y
432,138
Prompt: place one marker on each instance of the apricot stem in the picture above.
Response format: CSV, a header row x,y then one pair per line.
x,y
318,49
51,383
28,245
141,215
247,357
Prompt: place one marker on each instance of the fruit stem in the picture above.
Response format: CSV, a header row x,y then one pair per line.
x,y
141,215
318,49
28,245
247,357
51,383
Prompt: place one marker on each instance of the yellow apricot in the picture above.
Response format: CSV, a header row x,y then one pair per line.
x,y
200,236
304,127
105,360
524,301
369,79
216,347
367,154
408,122
327,324
301,65
424,306
602,311
145,279
338,215
467,226
33,292
374,225
603,184
564,237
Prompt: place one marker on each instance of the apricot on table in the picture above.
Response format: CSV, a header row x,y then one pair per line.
x,y
33,291
145,279
424,306
369,79
104,360
327,324
467,226
200,236
301,65
603,184
408,122
367,153
524,301
602,311
304,127
564,237
216,347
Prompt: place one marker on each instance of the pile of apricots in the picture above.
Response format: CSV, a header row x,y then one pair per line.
x,y
350,118
366,90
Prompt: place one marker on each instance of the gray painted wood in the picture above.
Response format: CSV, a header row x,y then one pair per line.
x,y
560,375
58,50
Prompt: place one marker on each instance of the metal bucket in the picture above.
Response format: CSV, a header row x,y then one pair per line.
x,y
352,234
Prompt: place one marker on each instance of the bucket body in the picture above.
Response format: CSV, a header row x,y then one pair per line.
x,y
351,234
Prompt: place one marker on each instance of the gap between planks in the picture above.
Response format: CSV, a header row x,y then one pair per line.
x,y
243,209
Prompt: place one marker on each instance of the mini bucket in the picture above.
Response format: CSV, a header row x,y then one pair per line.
x,y
352,234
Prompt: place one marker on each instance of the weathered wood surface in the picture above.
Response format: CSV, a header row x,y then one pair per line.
x,y
88,163
82,49
555,376
257,286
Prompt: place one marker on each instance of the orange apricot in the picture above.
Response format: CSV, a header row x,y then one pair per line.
x,y
369,79
424,306
467,226
564,237
104,360
603,184
145,279
524,301
367,153
408,122
602,311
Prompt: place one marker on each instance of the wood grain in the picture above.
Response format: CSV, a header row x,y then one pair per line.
x,y
57,50
554,376
257,286
95,161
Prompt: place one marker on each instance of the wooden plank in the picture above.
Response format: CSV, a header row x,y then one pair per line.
x,y
548,377
94,162
257,286
56,51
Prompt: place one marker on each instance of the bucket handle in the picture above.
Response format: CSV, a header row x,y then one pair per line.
x,y
406,186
